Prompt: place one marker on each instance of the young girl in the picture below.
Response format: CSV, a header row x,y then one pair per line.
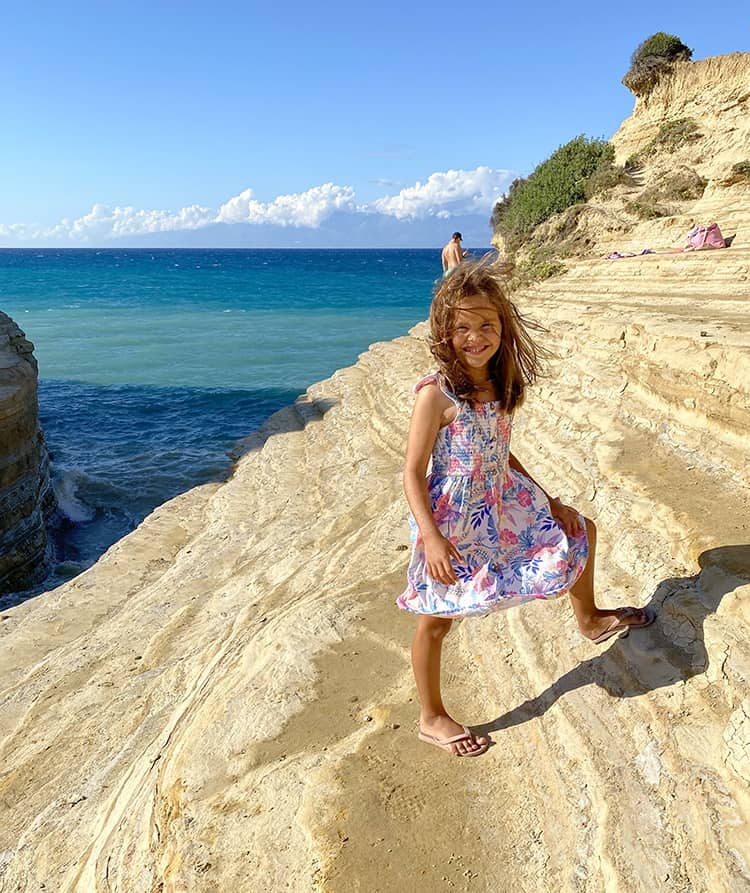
x,y
486,535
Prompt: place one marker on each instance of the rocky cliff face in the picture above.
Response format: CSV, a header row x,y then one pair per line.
x,y
714,94
685,177
26,497
225,700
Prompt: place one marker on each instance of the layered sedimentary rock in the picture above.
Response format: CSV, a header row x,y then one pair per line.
x,y
26,497
682,141
714,95
225,700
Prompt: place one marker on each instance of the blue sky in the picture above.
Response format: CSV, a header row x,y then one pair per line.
x,y
294,124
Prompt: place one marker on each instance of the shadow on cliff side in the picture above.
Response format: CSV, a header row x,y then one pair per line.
x,y
670,651
118,452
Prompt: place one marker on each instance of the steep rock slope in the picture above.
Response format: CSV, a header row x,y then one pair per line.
x,y
685,137
225,702
713,93
26,497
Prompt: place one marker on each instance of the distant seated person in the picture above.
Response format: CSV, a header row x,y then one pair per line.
x,y
453,254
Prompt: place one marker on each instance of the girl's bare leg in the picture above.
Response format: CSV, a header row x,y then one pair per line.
x,y
592,620
425,658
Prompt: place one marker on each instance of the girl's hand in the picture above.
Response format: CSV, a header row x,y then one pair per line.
x,y
566,516
438,552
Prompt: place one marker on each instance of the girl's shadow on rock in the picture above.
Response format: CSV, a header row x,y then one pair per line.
x,y
672,650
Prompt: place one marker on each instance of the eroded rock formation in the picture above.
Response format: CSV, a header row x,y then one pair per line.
x,y
702,112
714,95
191,713
26,497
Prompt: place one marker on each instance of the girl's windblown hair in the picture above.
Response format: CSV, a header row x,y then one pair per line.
x,y
518,360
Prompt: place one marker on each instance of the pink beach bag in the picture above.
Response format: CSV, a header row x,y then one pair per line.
x,y
706,237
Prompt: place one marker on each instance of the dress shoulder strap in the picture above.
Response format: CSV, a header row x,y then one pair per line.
x,y
431,378
439,380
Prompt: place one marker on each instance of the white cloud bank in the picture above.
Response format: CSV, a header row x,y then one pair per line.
x,y
106,223
308,208
443,195
447,194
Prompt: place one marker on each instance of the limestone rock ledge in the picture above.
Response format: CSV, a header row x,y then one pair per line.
x,y
713,94
26,496
224,701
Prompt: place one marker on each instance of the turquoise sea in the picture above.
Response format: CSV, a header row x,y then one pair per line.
x,y
152,364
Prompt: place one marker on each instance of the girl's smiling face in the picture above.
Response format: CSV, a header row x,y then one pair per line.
x,y
475,333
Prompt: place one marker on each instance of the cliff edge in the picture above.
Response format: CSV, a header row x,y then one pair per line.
x,y
686,153
225,700
693,127
26,496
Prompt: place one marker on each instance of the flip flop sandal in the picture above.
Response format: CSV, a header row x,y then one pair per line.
x,y
619,626
445,743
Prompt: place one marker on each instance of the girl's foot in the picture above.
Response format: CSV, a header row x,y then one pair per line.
x,y
438,729
620,620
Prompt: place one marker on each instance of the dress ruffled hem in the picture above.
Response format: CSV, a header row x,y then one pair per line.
x,y
415,603
486,608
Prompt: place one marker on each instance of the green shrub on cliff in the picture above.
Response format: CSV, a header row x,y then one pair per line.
x,y
671,135
680,186
553,186
646,210
652,59
606,177
541,263
504,207
684,185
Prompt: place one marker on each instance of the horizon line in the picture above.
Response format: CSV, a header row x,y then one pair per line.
x,y
224,248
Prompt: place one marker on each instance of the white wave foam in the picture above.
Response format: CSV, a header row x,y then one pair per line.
x,y
66,491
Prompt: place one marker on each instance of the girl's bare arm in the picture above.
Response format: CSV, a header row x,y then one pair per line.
x,y
429,411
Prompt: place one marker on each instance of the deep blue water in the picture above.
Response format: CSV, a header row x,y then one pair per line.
x,y
153,364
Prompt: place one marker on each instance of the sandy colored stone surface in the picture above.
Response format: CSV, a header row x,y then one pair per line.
x,y
26,497
711,94
191,714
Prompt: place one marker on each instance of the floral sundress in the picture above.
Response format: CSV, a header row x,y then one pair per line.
x,y
512,549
